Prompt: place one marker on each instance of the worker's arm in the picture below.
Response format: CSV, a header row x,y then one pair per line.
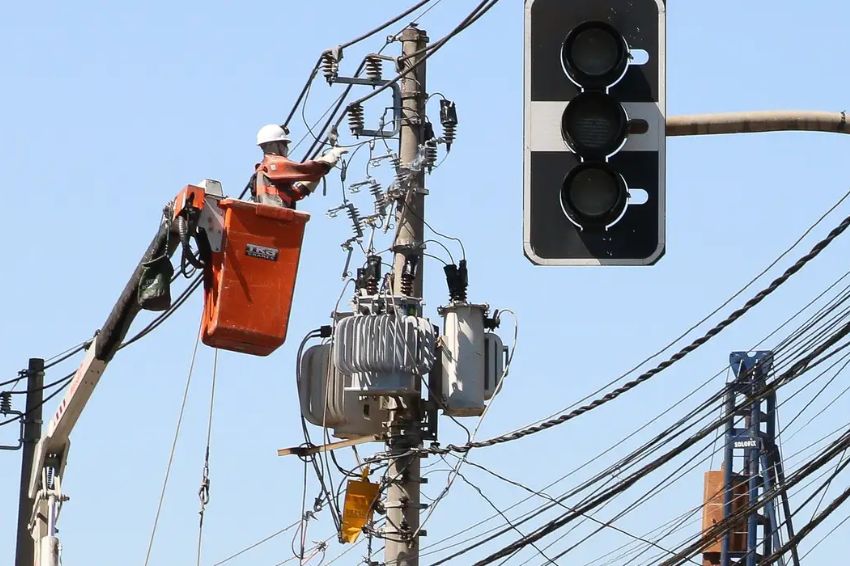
x,y
328,160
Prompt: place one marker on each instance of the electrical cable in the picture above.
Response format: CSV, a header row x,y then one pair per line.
x,y
258,543
784,324
489,501
58,359
716,310
796,370
204,490
481,9
718,528
610,396
41,404
173,449
44,387
50,362
652,562
606,524
384,25
162,317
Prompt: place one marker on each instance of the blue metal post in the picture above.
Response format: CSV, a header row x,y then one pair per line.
x,y
752,457
751,373
728,455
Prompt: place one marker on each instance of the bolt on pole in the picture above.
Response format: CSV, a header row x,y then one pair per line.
x,y
25,553
404,427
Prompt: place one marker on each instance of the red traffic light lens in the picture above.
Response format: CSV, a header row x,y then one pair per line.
x,y
594,125
594,195
595,55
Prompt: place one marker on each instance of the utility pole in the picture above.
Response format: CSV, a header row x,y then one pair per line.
x,y
24,556
404,427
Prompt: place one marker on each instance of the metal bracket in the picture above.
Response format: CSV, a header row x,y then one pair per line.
x,y
22,421
396,104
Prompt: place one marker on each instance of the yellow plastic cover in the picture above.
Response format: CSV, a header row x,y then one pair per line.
x,y
360,498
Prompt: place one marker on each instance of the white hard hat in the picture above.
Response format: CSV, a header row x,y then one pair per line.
x,y
271,133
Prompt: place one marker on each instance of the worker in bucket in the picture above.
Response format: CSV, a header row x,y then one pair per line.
x,y
279,181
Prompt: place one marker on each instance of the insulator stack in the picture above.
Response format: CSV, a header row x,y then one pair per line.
x,y
430,154
369,275
355,119
374,67
371,286
407,284
449,134
459,296
330,66
408,275
400,173
457,279
5,402
448,119
377,193
356,221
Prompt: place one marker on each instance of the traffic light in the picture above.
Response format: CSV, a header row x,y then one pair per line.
x,y
594,132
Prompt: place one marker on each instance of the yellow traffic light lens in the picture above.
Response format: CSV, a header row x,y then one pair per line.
x,y
595,55
594,195
594,125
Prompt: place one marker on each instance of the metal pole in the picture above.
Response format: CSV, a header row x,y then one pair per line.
x,y
402,502
758,122
728,460
25,555
752,457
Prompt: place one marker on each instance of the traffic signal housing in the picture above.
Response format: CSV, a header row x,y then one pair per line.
x,y
594,162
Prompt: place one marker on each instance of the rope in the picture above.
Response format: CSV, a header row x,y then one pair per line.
x,y
610,396
204,490
173,448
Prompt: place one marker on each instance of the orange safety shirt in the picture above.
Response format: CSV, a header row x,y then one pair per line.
x,y
278,178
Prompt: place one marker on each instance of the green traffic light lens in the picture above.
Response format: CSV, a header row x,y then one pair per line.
x,y
594,195
595,55
594,125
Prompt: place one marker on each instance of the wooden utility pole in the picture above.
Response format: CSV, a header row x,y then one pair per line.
x,y
24,555
404,427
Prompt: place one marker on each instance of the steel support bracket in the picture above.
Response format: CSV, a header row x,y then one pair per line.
x,y
396,104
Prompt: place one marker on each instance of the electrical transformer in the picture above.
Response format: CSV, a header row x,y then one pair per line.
x,y
327,400
472,360
385,354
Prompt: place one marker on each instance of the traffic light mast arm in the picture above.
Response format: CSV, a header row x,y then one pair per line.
x,y
758,122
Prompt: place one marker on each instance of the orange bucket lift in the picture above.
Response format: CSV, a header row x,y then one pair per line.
x,y
249,284
250,266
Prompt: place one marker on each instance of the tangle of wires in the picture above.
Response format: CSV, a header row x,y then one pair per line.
x,y
817,347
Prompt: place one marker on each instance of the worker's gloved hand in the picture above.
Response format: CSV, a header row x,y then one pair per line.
x,y
332,155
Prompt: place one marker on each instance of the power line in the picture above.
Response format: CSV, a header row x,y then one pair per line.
x,y
481,9
501,513
666,434
755,300
604,524
384,25
258,543
805,364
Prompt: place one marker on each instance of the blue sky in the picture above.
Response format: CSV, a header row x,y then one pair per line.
x,y
108,109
